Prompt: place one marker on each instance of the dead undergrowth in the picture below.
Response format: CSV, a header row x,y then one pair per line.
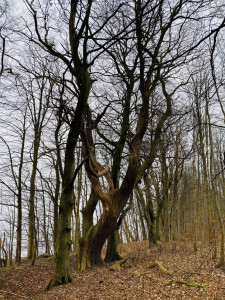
x,y
167,271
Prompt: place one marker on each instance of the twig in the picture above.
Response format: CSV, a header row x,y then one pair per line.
x,y
170,281
198,267
10,293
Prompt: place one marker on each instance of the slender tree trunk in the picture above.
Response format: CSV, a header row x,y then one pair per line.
x,y
31,230
56,211
45,228
19,197
215,191
11,238
165,196
204,163
19,228
129,233
77,209
58,172
141,214
194,182
148,211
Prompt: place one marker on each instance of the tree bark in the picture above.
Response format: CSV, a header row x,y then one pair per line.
x,y
91,244
31,230
112,253
19,197
61,273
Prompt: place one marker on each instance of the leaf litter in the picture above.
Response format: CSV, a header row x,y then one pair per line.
x,y
192,275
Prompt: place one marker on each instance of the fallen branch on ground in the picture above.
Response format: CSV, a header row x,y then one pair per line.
x,y
201,264
189,284
150,276
169,282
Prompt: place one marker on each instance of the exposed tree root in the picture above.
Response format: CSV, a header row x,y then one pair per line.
x,y
160,266
114,257
117,266
59,280
221,265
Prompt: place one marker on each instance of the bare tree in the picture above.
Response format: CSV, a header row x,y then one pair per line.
x,y
3,10
39,93
158,57
78,55
120,72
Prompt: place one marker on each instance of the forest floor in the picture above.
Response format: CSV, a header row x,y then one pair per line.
x,y
137,279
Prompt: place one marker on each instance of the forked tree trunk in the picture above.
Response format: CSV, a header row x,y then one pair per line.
x,y
61,273
91,244
112,253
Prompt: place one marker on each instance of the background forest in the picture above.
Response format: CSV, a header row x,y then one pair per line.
x,y
112,127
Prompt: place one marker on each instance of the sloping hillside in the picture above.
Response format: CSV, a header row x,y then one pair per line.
x,y
161,272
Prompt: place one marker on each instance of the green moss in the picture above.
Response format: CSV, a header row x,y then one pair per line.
x,y
189,284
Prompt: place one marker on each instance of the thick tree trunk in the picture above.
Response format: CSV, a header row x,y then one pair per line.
x,y
152,234
91,244
61,273
112,253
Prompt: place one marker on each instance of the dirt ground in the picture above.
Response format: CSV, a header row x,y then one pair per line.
x,y
135,280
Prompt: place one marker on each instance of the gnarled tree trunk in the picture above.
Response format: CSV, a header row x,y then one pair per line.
x,y
91,244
